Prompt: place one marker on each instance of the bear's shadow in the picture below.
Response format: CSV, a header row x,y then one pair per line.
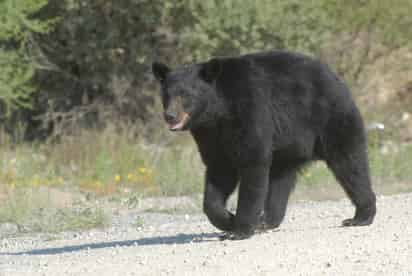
x,y
162,240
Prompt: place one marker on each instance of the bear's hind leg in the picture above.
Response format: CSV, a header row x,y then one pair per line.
x,y
351,169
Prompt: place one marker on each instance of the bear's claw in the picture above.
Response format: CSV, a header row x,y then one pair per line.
x,y
234,236
357,222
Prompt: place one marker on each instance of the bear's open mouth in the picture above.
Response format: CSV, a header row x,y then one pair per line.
x,y
184,118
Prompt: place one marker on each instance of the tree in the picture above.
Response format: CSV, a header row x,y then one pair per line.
x,y
231,27
365,31
16,66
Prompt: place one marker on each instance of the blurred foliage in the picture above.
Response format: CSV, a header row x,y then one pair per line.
x,y
16,66
114,162
94,65
362,33
95,61
390,19
229,28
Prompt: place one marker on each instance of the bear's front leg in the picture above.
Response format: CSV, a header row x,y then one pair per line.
x,y
252,193
221,181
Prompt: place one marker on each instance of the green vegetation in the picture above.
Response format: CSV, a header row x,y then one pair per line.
x,y
390,169
17,67
34,210
79,114
51,187
89,61
116,164
113,162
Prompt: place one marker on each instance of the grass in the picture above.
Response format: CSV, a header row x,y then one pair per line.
x,y
111,163
390,172
35,178
104,163
33,210
114,162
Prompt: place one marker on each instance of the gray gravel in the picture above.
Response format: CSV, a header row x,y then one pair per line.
x,y
309,242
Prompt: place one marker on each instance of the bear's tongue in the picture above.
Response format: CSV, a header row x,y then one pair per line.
x,y
181,123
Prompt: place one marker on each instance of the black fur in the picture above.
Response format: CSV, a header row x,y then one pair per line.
x,y
257,119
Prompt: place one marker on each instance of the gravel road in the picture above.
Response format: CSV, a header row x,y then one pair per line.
x,y
309,242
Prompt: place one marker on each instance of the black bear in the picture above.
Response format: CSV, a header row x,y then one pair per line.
x,y
257,119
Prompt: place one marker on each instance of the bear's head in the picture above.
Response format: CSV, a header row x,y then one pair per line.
x,y
189,94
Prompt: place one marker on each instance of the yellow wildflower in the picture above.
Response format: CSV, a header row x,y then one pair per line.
x,y
130,176
99,184
35,182
117,178
13,185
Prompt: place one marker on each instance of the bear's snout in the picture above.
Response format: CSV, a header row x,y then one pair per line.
x,y
171,117
177,121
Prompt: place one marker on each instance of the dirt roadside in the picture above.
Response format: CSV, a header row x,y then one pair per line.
x,y
309,242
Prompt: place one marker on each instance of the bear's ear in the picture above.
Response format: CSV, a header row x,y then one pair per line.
x,y
160,71
211,70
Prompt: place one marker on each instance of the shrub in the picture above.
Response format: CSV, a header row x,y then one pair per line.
x,y
16,64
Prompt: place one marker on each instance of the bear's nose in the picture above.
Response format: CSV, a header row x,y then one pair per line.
x,y
170,117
